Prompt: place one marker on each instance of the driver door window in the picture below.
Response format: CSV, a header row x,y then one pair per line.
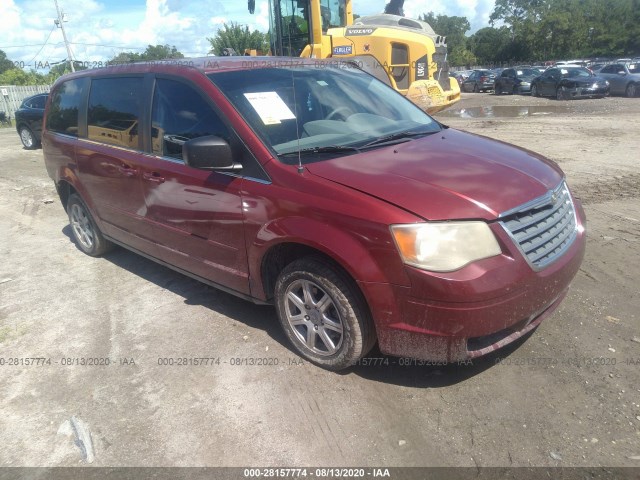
x,y
180,114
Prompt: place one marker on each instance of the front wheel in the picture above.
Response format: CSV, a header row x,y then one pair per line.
x,y
534,90
323,313
561,94
85,232
27,138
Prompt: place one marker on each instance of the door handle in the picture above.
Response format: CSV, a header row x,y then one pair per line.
x,y
127,171
153,177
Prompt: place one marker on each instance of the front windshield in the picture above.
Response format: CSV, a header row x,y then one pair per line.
x,y
306,107
576,72
526,72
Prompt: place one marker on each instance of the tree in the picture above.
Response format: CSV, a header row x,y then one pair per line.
x,y
17,76
152,52
489,44
394,7
454,28
5,63
239,38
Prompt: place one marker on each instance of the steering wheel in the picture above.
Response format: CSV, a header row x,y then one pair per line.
x,y
336,111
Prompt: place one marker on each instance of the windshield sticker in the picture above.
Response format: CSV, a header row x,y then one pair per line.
x,y
322,83
270,107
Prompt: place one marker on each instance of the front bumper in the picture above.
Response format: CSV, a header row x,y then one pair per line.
x,y
588,92
457,316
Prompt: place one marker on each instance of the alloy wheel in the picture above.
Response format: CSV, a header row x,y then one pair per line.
x,y
82,227
314,317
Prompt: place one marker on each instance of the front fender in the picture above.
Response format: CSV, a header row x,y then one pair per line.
x,y
347,248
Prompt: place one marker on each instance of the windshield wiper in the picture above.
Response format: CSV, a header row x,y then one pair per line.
x,y
326,149
395,137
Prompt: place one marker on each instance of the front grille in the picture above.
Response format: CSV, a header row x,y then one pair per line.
x,y
545,228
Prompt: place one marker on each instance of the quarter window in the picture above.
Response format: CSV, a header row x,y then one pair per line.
x,y
180,114
63,112
38,102
114,111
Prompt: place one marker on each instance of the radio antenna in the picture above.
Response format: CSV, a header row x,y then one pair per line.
x,y
293,84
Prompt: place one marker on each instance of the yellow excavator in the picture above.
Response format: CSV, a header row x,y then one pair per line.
x,y
407,54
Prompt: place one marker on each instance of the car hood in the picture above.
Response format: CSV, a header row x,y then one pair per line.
x,y
447,175
585,80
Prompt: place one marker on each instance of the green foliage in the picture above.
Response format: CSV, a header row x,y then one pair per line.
x,y
490,44
239,38
17,76
455,29
5,63
153,52
554,29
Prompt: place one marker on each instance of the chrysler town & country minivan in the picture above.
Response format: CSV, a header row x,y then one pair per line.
x,y
317,188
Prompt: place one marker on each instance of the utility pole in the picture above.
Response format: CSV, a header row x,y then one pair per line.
x,y
60,23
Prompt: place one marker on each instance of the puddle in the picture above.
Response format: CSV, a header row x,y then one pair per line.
x,y
506,111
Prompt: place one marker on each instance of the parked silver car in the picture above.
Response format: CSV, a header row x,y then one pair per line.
x,y
624,79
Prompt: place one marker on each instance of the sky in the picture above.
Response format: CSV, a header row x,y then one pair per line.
x,y
100,29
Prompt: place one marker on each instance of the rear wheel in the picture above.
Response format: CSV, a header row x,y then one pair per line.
x,y
85,232
631,90
561,94
323,313
497,89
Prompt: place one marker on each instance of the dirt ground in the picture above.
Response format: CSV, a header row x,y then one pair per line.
x,y
568,395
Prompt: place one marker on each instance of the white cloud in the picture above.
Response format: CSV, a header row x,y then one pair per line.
x,y
97,28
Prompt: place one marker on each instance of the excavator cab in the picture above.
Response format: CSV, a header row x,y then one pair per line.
x,y
290,26
296,24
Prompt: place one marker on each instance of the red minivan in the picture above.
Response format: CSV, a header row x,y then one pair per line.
x,y
314,186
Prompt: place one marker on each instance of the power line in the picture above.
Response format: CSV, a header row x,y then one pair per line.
x,y
107,46
20,46
44,45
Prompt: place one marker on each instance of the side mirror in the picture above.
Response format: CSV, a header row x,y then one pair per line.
x,y
209,153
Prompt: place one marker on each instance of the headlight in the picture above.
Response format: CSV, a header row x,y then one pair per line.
x,y
446,246
525,84
606,82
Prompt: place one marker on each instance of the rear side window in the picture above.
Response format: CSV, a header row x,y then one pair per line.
x,y
180,114
114,111
63,112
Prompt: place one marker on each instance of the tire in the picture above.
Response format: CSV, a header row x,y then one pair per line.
x,y
475,88
86,234
515,90
534,91
27,138
560,94
313,296
497,90
631,90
